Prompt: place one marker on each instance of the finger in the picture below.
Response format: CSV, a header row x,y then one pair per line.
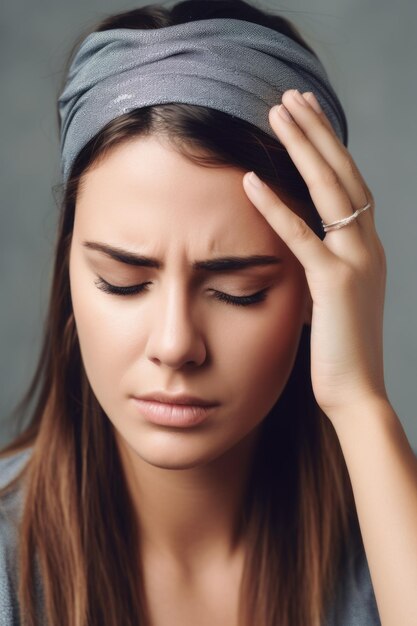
x,y
312,101
292,229
318,129
326,190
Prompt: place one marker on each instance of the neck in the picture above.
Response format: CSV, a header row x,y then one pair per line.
x,y
193,515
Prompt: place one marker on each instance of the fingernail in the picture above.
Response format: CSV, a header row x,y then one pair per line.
x,y
255,181
298,97
284,113
312,100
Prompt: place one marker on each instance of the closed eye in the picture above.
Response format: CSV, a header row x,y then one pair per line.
x,y
131,290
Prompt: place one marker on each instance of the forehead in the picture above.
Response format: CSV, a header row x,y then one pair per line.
x,y
145,194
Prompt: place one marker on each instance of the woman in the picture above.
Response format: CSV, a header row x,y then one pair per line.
x,y
180,279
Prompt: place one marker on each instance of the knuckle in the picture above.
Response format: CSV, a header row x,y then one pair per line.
x,y
350,167
345,275
300,230
366,263
375,257
325,178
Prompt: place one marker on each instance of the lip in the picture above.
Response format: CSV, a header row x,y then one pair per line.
x,y
180,410
177,399
170,414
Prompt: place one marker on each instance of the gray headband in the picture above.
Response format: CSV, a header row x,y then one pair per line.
x,y
231,65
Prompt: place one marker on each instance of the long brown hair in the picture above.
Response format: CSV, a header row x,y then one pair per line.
x,y
78,519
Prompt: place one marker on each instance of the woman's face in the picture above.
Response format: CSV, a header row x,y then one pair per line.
x,y
177,336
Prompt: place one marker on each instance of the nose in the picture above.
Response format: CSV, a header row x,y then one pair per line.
x,y
174,338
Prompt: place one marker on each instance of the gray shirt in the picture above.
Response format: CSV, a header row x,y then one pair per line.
x,y
355,604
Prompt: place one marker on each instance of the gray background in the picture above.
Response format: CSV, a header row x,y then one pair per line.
x,y
369,49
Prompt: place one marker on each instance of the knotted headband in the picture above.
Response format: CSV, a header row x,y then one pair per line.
x,y
232,65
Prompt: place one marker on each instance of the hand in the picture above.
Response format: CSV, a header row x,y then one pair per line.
x,y
346,272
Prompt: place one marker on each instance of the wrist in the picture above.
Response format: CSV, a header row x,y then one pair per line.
x,y
374,407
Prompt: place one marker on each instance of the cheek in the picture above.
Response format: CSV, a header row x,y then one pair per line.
x,y
262,349
103,334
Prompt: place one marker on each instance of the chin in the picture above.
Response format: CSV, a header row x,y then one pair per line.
x,y
176,451
174,460
169,464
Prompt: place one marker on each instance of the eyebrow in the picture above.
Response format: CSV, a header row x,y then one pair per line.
x,y
220,264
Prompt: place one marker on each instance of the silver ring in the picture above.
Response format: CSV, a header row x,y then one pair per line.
x,y
344,222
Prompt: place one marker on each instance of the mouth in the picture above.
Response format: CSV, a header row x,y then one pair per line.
x,y
177,399
172,414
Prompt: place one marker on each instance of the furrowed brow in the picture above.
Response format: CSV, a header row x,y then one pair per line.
x,y
123,256
228,263
220,264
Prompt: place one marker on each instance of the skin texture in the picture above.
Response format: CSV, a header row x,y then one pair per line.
x,y
176,336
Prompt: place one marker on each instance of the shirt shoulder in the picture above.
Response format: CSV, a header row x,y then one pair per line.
x,y
10,510
12,464
355,602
